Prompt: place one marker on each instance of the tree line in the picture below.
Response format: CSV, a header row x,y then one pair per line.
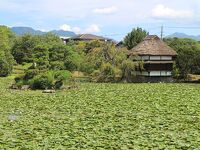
x,y
103,61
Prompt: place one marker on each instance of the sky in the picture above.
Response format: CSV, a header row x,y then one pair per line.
x,y
111,18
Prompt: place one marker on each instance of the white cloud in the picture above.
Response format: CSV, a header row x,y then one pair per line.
x,y
67,27
163,12
107,10
43,30
121,17
92,29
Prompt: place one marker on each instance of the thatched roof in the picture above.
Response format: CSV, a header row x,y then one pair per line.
x,y
86,37
152,45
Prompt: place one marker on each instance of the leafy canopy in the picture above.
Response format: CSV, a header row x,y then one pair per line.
x,y
6,58
134,37
188,55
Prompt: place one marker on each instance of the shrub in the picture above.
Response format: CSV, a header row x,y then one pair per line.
x,y
5,68
70,65
19,84
62,75
30,74
18,78
117,74
19,81
58,84
44,81
50,80
107,73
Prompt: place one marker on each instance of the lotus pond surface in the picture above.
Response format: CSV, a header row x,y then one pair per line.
x,y
101,116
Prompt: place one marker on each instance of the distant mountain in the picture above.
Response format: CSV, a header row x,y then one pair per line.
x,y
63,33
183,35
28,30
25,30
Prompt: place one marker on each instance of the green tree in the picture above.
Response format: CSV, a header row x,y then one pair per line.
x,y
110,64
23,48
76,58
41,57
134,37
57,55
128,66
50,39
91,45
187,61
6,58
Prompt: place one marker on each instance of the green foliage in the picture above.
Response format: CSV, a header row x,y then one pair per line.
x,y
50,80
188,55
21,69
23,48
110,63
57,54
74,59
108,73
78,59
57,65
101,116
20,81
175,72
50,39
62,57
5,69
6,59
19,78
91,45
30,74
134,37
62,75
48,52
128,66
44,81
41,57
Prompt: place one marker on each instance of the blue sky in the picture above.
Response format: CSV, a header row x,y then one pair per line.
x,y
112,18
